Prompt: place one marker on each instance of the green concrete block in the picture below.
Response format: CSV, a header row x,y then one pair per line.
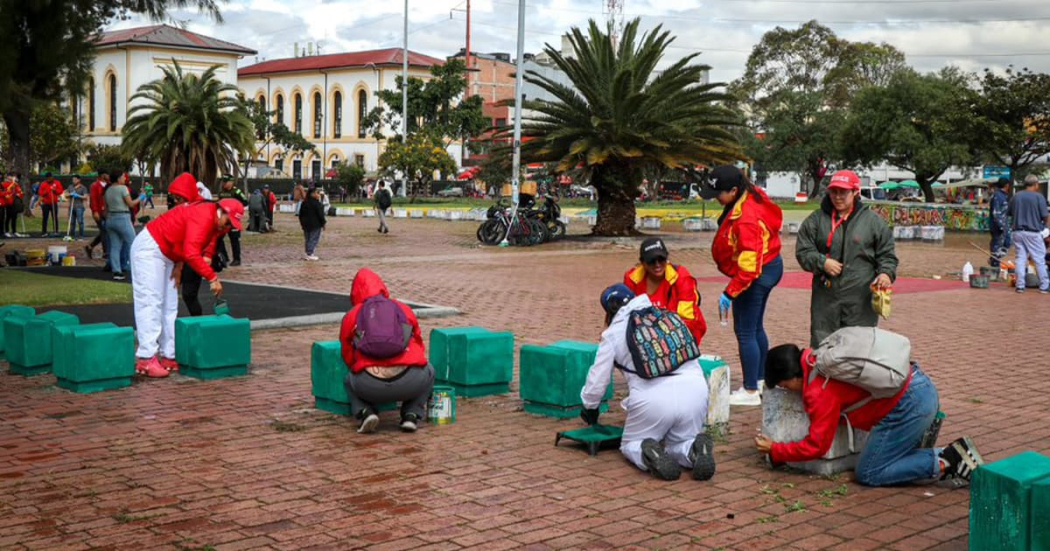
x,y
12,311
218,343
28,341
210,373
1039,526
559,412
439,341
64,349
94,357
1001,508
473,360
553,376
327,372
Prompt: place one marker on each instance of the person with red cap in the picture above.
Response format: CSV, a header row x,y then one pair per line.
x,y
186,235
747,250
850,251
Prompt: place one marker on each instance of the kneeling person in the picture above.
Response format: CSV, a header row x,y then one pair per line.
x,y
896,423
383,347
664,431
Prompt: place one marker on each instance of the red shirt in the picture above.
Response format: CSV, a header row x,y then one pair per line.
x,y
187,234
50,192
824,405
368,284
747,239
677,293
98,202
7,194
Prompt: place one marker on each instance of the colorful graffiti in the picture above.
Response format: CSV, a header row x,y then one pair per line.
x,y
952,217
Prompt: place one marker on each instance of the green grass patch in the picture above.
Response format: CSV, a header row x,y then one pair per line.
x,y
29,289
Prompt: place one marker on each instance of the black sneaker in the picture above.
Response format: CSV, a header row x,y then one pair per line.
x,y
235,263
409,422
660,464
962,459
369,424
702,456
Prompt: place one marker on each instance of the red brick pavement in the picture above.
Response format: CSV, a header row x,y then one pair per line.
x,y
248,463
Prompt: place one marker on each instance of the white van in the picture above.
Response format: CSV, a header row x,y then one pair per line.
x,y
873,193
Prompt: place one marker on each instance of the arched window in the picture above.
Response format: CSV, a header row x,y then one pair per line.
x,y
260,133
112,103
337,123
280,108
317,114
298,114
91,105
262,102
362,111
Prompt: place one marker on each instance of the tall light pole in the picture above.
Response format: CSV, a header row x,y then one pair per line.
x,y
404,98
519,71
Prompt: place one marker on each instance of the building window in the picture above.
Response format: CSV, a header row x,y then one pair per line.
x,y
298,114
362,111
335,163
260,133
337,123
262,102
359,159
91,105
112,103
317,115
278,164
499,123
280,108
297,169
315,169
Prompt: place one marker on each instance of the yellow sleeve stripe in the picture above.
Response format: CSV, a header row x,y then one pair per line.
x,y
748,261
685,309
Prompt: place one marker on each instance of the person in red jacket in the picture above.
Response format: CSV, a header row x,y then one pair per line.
x,y
50,191
747,249
183,235
669,286
405,377
271,206
7,199
97,202
896,424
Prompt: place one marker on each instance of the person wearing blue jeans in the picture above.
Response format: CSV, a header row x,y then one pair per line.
x,y
119,228
749,309
893,453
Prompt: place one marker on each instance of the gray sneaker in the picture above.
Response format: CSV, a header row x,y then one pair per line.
x,y
660,464
369,425
702,456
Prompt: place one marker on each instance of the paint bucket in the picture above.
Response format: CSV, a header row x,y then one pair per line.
x,y
36,257
442,405
991,273
69,260
222,308
978,282
55,254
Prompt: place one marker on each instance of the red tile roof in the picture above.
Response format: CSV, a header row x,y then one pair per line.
x,y
166,35
389,56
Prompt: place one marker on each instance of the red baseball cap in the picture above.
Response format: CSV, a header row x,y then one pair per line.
x,y
235,209
845,179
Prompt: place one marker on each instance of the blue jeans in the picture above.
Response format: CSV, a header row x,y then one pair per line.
x,y
313,237
121,234
748,310
892,455
78,222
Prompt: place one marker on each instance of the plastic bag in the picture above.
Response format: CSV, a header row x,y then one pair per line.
x,y
880,301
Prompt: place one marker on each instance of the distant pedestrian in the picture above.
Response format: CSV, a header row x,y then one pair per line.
x,y
231,191
119,228
1029,211
257,212
850,251
97,203
13,205
147,188
49,192
271,205
78,193
382,201
999,221
312,220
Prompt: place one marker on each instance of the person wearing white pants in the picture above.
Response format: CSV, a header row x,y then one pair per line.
x,y
664,430
156,298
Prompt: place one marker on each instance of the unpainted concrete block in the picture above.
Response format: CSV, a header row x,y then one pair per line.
x,y
719,387
784,419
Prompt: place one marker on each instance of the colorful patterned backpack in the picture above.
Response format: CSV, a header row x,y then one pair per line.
x,y
659,342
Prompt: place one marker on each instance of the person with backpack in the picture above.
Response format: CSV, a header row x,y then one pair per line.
x,y
257,212
382,346
669,286
746,248
667,404
383,200
312,220
865,375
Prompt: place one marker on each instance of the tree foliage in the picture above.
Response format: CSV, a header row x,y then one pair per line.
x,y
268,131
349,176
620,116
189,123
418,160
1011,118
54,135
107,157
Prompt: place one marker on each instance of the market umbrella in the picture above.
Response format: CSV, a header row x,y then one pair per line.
x,y
889,186
938,184
910,183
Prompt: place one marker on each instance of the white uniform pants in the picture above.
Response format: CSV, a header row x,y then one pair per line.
x,y
671,409
155,296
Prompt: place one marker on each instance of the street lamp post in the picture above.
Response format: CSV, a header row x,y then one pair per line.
x,y
516,163
404,98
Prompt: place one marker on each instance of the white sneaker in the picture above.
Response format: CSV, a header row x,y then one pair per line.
x,y
312,257
761,386
741,397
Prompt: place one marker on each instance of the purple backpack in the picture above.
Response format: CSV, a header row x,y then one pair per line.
x,y
383,330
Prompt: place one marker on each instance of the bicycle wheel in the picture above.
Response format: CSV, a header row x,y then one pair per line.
x,y
537,232
556,229
492,232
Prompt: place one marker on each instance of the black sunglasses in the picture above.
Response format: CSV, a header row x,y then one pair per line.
x,y
657,260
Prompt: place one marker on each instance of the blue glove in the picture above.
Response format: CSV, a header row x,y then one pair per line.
x,y
724,302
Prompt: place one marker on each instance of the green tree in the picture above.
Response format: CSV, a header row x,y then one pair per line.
x,y
107,157
189,123
418,160
47,48
349,176
915,123
620,116
55,136
270,132
1011,118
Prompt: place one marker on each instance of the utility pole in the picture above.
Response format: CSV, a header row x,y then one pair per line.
x,y
614,15
516,163
404,98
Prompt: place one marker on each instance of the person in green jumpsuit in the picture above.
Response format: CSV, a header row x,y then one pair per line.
x,y
849,250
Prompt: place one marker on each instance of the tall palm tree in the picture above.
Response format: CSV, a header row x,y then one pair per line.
x,y
621,115
188,123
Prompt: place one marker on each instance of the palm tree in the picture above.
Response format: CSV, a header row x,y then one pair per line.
x,y
620,116
188,123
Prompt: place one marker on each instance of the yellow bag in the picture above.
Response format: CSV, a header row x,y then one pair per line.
x,y
880,301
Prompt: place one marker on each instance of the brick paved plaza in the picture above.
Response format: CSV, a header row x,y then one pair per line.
x,y
247,463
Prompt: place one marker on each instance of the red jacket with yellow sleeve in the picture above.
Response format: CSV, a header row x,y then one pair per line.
x,y
748,238
677,293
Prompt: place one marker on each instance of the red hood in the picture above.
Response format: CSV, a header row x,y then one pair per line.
x,y
367,284
185,185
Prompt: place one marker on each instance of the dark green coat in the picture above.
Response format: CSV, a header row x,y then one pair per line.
x,y
864,245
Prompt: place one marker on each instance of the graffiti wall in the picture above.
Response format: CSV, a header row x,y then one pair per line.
x,y
952,217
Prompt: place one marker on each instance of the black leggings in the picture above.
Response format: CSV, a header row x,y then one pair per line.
x,y
12,217
47,210
191,286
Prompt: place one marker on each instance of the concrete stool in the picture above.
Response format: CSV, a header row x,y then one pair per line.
x,y
553,376
28,341
473,360
1009,500
94,357
327,372
12,311
784,420
213,347
717,374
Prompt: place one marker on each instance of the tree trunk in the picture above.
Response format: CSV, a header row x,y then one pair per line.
x,y
927,190
615,213
17,123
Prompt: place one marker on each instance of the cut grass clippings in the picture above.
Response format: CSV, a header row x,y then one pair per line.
x,y
29,289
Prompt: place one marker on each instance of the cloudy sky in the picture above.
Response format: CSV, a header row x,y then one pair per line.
x,y
972,34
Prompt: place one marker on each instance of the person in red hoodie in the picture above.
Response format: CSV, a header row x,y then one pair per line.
x,y
747,249
183,235
50,191
897,425
669,286
404,376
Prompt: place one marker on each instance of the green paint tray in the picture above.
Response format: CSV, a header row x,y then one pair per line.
x,y
593,436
